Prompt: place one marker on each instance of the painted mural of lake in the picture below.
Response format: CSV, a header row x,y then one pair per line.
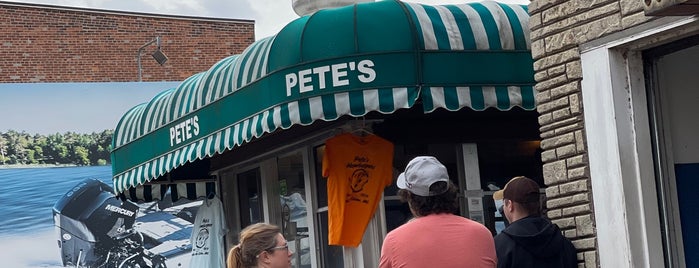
x,y
27,196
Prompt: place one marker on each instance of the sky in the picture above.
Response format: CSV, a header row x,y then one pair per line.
x,y
48,108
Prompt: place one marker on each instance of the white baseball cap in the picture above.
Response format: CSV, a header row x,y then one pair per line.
x,y
420,174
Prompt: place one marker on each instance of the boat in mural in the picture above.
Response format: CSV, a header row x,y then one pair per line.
x,y
96,229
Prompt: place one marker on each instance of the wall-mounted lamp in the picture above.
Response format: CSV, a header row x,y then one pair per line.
x,y
158,55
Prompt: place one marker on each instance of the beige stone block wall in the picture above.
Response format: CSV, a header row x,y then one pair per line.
x,y
558,28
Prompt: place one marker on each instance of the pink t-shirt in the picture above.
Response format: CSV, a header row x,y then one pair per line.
x,y
441,240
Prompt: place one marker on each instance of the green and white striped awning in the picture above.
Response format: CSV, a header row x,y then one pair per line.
x,y
379,56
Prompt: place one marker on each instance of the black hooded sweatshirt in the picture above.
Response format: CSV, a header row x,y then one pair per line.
x,y
534,242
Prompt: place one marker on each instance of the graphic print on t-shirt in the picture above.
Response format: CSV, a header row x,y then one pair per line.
x,y
358,169
358,179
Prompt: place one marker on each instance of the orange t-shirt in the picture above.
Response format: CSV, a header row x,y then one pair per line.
x,y
358,169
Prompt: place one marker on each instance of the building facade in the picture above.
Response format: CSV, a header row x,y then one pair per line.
x,y
43,43
615,99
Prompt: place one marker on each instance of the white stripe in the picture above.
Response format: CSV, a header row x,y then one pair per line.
x,y
175,158
146,169
236,72
209,150
167,161
504,28
277,116
425,25
159,107
489,97
152,110
227,83
438,97
265,117
200,144
251,52
294,115
194,91
342,103
253,126
167,110
523,18
400,98
477,27
135,124
244,129
192,153
178,101
515,95
316,106
154,168
227,136
123,129
371,100
266,58
260,57
218,79
463,94
452,28
217,143
115,184
139,177
236,133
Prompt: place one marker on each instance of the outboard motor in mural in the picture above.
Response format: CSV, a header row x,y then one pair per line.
x,y
95,229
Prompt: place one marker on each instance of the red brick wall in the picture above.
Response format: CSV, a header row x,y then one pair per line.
x,y
40,43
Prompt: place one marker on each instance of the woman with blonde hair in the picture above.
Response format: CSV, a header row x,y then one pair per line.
x,y
261,245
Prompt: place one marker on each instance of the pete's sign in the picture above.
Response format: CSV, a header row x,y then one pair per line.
x,y
185,130
308,80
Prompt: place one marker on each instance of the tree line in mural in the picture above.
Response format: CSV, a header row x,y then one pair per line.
x,y
20,148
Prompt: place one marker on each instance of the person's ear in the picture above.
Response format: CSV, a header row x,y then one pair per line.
x,y
510,205
264,256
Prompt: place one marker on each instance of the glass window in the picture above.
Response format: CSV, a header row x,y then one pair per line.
x,y
293,204
249,197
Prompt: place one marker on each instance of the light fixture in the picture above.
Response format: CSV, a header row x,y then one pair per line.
x,y
158,55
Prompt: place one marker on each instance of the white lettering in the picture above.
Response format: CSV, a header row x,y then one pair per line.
x,y
172,136
188,128
304,80
339,73
291,81
308,80
364,67
185,130
119,210
320,71
195,122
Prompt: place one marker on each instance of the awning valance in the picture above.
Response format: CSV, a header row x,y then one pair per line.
x,y
380,56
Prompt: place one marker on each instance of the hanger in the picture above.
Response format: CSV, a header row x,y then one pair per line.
x,y
362,130
209,196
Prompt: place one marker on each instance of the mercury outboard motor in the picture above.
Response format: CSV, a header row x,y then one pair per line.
x,y
95,229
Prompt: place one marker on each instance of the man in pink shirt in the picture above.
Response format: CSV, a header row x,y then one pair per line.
x,y
435,237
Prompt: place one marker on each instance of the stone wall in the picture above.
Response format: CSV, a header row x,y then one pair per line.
x,y
558,27
43,43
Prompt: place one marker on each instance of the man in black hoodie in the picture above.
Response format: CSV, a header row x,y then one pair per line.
x,y
529,240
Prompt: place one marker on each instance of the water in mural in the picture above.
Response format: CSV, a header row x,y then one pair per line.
x,y
49,211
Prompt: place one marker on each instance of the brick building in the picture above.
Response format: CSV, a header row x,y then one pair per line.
x,y
43,43
615,82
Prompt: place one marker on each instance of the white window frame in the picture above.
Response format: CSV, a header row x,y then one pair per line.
x,y
619,145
